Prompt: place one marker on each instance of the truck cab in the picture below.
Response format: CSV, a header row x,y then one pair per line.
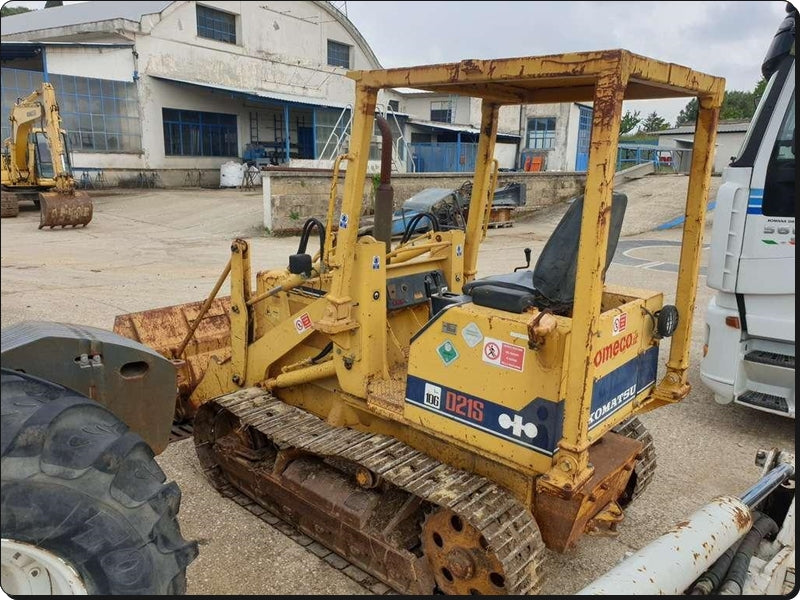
x,y
749,354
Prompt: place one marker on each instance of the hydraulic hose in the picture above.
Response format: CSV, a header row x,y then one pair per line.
x,y
734,580
710,580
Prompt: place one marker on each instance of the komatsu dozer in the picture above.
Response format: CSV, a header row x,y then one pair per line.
x,y
436,429
36,164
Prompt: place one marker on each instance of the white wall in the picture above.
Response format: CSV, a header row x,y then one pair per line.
x,y
559,157
100,63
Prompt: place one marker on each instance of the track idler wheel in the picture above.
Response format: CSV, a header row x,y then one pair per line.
x,y
460,558
59,210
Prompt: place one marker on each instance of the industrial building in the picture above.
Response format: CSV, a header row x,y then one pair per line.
x,y
170,91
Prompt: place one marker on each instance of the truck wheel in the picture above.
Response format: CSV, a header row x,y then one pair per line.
x,y
85,508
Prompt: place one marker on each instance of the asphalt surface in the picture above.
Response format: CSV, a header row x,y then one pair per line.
x,y
151,248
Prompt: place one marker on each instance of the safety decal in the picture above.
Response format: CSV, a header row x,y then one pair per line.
x,y
503,354
376,263
449,328
536,426
472,335
459,250
620,323
343,220
447,352
302,323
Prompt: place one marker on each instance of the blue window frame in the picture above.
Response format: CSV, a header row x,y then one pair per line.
x,y
216,25
338,54
542,133
195,133
99,115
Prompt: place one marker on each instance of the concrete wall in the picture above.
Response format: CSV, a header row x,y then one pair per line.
x,y
292,197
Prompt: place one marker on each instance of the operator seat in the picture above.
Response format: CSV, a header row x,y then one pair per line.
x,y
551,284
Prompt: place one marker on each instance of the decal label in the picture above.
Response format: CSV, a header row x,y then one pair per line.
x,y
450,328
472,335
536,426
433,395
343,221
617,389
459,250
447,352
302,323
376,262
615,348
503,354
620,324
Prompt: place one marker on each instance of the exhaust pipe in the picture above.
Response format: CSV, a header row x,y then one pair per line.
x,y
384,195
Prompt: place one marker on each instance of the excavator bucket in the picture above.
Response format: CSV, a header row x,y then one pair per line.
x,y
62,209
164,330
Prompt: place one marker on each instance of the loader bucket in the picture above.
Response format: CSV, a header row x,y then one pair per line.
x,y
62,209
164,329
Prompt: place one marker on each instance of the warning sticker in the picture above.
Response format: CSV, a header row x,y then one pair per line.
x,y
302,323
503,354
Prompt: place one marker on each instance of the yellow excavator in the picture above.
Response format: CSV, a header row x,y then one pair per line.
x,y
36,164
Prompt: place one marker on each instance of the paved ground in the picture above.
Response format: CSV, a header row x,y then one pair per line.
x,y
157,248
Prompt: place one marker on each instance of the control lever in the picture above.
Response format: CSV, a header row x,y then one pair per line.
x,y
527,252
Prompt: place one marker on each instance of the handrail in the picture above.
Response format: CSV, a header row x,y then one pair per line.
x,y
333,134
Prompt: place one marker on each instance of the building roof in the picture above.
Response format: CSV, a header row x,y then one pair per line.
x,y
253,95
731,126
455,127
77,14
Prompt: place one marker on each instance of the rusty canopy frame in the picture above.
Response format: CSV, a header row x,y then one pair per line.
x,y
605,78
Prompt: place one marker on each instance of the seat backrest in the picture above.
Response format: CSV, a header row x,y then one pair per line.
x,y
554,273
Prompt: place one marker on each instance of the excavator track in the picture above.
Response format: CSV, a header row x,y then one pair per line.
x,y
412,522
646,465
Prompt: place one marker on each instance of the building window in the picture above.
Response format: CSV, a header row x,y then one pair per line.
x,y
338,54
441,111
216,25
194,133
99,115
542,133
16,83
394,105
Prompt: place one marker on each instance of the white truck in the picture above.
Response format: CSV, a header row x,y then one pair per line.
x,y
749,354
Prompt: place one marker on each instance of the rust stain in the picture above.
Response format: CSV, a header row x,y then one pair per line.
x,y
741,518
682,525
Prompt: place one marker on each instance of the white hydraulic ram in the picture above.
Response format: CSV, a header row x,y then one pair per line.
x,y
723,548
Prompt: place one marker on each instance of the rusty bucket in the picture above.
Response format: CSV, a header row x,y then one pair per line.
x,y
60,209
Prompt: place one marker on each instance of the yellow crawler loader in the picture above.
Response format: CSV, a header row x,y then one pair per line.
x,y
436,429
36,164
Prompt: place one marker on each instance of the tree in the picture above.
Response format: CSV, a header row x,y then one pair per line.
x,y
688,113
654,122
735,105
629,121
52,3
7,11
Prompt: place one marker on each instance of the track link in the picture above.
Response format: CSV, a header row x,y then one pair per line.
x,y
646,465
509,529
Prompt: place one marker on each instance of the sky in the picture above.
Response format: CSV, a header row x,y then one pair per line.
x,y
726,39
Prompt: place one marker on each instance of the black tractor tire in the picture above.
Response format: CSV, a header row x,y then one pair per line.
x,y
77,483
